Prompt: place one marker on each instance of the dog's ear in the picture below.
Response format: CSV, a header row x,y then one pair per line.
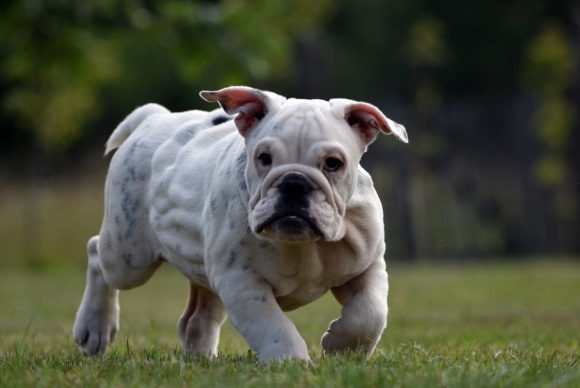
x,y
250,104
367,120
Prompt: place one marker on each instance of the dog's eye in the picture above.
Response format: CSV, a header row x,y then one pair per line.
x,y
265,159
332,164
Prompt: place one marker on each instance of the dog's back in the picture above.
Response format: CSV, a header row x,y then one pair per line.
x,y
148,141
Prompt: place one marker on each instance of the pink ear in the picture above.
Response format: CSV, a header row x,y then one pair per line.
x,y
368,120
251,105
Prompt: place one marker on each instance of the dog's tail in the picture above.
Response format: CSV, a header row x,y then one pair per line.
x,y
131,122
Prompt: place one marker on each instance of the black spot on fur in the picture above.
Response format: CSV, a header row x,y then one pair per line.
x,y
232,259
232,220
241,178
214,207
241,161
127,258
220,120
260,298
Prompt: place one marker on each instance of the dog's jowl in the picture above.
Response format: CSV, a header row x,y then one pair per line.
x,y
262,205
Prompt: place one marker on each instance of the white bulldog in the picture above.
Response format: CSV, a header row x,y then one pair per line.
x,y
263,212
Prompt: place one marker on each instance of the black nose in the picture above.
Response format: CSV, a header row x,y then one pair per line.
x,y
294,188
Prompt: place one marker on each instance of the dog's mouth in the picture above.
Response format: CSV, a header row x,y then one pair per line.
x,y
290,226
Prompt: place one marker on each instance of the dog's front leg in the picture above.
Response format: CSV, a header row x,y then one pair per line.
x,y
364,313
253,310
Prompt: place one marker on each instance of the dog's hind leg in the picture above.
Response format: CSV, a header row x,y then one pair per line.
x,y
97,320
199,326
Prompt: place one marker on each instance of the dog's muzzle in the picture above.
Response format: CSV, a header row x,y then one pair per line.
x,y
291,219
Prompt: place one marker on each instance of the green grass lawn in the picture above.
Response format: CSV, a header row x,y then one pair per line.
x,y
480,325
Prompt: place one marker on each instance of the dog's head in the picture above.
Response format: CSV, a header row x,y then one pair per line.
x,y
302,159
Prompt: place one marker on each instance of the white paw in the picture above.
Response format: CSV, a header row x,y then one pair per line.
x,y
283,351
95,329
335,341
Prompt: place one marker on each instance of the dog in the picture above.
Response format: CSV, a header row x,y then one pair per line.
x,y
262,205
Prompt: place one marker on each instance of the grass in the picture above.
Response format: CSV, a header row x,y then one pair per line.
x,y
488,325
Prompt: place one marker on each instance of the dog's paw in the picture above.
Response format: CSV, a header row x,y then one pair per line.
x,y
278,352
94,332
333,343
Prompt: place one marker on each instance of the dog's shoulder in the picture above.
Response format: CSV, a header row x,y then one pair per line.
x,y
364,217
365,195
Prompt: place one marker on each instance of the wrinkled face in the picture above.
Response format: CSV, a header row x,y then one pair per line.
x,y
301,171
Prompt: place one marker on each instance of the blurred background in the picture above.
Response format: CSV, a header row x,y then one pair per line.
x,y
489,92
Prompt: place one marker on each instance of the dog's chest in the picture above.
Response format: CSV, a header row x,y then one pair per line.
x,y
301,297
302,274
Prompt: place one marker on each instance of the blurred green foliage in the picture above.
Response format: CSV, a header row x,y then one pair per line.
x,y
58,55
549,60
549,67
